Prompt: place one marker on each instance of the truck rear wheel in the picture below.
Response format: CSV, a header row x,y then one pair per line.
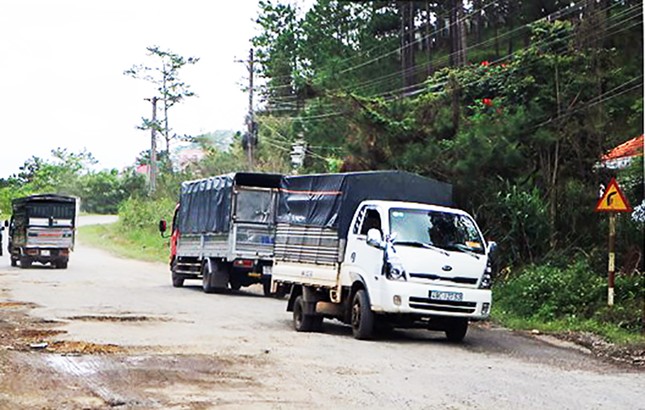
x,y
25,262
303,322
61,264
14,261
362,316
456,329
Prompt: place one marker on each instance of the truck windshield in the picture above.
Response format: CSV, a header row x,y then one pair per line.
x,y
445,230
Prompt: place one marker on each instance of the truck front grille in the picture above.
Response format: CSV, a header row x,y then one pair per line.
x,y
456,279
442,305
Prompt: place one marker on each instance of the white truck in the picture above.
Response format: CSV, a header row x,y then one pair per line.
x,y
380,250
223,231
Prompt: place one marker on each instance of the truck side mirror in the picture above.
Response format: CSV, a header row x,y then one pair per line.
x,y
6,223
375,239
162,226
492,249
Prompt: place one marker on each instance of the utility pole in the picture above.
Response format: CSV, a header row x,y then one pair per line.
x,y
250,119
152,168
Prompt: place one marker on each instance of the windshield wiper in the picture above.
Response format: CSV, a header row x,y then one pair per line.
x,y
422,245
463,248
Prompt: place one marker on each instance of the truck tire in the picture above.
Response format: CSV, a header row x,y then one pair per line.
x,y
266,287
456,329
207,275
282,291
303,322
177,280
61,264
25,262
362,316
14,261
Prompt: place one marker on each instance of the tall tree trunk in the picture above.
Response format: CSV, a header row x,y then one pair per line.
x,y
428,42
495,20
479,20
406,13
511,24
457,34
553,178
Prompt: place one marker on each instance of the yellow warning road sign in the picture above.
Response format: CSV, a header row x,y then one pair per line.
x,y
613,199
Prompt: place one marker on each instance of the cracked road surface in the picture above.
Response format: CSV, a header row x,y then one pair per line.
x,y
113,333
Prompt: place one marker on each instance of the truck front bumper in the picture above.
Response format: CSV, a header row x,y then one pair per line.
x,y
400,297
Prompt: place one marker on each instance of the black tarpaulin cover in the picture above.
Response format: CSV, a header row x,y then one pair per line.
x,y
45,206
206,204
330,200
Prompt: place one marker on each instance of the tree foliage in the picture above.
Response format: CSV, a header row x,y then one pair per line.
x,y
169,86
518,129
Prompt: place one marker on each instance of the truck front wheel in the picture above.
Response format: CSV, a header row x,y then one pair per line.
x,y
207,277
303,322
14,261
177,280
456,329
362,316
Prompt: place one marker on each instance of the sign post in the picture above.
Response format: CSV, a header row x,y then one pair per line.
x,y
612,201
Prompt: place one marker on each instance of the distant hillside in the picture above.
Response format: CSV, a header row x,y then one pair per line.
x,y
220,139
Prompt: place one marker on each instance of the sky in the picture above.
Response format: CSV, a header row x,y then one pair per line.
x,y
62,82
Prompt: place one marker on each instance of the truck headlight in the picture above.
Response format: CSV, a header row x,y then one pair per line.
x,y
395,271
487,279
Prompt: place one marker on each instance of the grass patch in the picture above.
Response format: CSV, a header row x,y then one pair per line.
x,y
571,298
608,331
134,243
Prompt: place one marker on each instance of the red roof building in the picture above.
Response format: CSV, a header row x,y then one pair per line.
x,y
621,156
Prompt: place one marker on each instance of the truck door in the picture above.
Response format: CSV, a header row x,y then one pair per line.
x,y
362,259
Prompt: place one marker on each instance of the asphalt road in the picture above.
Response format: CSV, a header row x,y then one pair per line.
x,y
155,346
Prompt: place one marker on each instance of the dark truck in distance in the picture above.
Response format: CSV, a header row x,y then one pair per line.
x,y
223,231
42,229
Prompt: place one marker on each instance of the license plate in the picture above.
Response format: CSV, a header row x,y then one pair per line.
x,y
266,270
44,253
451,296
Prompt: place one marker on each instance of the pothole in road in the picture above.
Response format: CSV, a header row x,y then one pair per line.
x,y
99,318
71,347
38,334
11,305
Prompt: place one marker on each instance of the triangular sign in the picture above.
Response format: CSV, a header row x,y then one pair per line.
x,y
613,199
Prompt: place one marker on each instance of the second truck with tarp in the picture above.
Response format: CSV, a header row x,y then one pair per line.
x,y
223,231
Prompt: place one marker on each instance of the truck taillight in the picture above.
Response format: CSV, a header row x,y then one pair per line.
x,y
243,263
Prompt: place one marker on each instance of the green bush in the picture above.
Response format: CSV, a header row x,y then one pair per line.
x,y
144,214
547,292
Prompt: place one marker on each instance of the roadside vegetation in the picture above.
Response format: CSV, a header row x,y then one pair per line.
x,y
517,121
